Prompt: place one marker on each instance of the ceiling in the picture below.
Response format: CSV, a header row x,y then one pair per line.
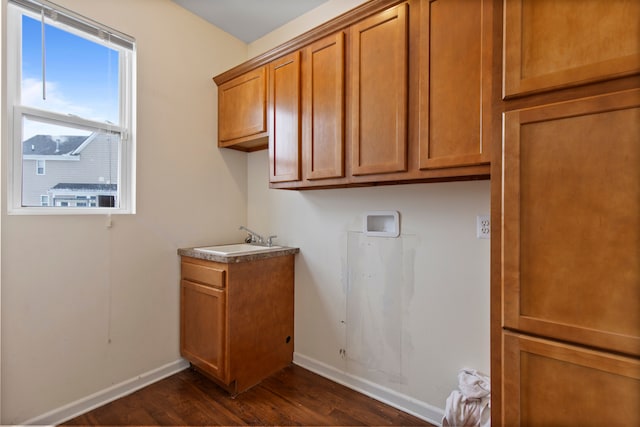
x,y
249,20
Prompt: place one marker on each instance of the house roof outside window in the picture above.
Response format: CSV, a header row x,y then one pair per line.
x,y
76,167
50,145
85,187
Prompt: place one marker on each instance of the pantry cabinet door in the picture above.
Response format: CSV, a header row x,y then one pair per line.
x,y
603,38
323,111
546,383
284,119
379,55
571,237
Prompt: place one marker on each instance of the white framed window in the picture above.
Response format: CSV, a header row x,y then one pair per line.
x,y
40,167
70,105
44,200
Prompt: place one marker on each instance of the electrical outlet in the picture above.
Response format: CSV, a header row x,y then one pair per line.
x,y
483,227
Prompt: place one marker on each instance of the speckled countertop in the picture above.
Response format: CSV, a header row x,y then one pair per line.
x,y
260,253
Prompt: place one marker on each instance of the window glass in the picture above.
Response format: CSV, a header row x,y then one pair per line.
x,y
40,167
81,75
73,109
81,163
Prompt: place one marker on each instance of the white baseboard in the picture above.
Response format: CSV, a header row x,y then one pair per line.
x,y
400,401
79,407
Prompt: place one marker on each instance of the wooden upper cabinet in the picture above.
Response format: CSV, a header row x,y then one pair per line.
x,y
323,109
455,83
284,119
571,241
242,111
378,94
385,93
552,44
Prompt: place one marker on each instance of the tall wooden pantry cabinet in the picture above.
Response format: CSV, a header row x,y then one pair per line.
x,y
566,253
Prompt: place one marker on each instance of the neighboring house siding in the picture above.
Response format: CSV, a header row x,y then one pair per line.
x,y
98,159
34,185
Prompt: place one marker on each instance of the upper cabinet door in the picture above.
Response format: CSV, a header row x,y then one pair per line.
x,y
284,119
242,109
379,55
323,110
603,38
455,83
571,241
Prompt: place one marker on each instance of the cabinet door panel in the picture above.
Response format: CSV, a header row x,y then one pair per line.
x,y
379,55
324,108
571,233
603,38
242,107
455,83
284,120
548,383
203,326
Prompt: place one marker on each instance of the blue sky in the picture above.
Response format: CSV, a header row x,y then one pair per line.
x,y
81,75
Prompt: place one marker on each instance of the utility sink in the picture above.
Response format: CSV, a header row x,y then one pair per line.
x,y
237,249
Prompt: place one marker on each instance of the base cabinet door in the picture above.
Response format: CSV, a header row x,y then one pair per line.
x,y
203,326
553,384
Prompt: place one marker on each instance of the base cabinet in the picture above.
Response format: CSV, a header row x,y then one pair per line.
x,y
236,320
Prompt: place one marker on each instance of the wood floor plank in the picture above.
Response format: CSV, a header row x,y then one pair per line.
x,y
293,396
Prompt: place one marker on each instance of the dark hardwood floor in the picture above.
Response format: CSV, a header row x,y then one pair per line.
x,y
293,396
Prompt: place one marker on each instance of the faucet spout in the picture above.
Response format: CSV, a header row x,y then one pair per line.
x,y
255,237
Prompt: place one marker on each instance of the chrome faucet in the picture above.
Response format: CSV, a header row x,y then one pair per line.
x,y
256,238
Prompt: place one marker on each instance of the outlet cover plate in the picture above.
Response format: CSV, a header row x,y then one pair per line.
x,y
483,227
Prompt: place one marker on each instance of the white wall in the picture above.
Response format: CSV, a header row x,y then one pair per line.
x,y
416,309
84,306
302,24
424,314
